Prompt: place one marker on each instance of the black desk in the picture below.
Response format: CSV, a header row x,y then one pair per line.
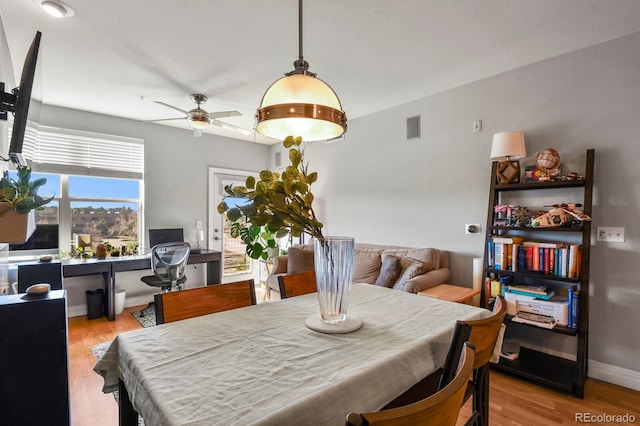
x,y
110,266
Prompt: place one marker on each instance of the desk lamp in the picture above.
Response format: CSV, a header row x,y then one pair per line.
x,y
508,146
83,241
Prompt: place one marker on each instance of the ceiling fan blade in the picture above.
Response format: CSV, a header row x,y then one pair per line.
x,y
161,119
230,127
171,106
222,114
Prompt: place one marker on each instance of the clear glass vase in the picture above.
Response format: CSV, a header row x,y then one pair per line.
x,y
333,257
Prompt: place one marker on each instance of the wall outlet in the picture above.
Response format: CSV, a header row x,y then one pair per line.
x,y
610,233
472,228
198,224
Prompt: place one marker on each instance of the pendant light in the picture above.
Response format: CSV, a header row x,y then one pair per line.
x,y
300,104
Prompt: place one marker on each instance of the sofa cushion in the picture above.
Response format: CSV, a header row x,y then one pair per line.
x,y
389,271
299,260
366,264
409,268
429,257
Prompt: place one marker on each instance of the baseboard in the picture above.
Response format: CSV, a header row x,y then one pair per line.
x,y
615,375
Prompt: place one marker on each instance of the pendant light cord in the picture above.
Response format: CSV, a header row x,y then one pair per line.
x,y
300,65
300,57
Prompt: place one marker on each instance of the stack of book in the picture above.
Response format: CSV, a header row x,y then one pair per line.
x,y
515,254
538,291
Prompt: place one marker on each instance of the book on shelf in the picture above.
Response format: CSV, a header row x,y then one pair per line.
x,y
525,291
547,244
573,260
508,240
537,289
573,295
490,252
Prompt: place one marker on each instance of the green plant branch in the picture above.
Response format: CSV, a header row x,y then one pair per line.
x,y
283,203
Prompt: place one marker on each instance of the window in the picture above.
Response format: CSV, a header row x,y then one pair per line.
x,y
98,187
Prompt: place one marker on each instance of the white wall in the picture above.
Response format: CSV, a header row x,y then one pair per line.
x,y
380,188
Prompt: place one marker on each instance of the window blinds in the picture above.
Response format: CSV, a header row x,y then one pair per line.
x,y
74,152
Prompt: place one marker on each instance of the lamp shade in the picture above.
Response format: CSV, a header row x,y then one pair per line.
x,y
301,105
508,145
83,240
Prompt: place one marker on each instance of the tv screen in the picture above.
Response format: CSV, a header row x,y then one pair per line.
x,y
23,99
168,235
44,237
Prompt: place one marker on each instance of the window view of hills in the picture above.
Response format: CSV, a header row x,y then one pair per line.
x,y
116,225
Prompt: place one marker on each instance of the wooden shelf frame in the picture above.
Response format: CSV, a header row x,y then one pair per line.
x,y
550,370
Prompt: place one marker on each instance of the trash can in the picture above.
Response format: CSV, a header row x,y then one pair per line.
x,y
94,303
120,298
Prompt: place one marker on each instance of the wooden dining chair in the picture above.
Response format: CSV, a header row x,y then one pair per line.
x,y
439,409
297,284
483,334
194,302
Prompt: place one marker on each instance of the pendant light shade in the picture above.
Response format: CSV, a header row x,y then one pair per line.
x,y
300,104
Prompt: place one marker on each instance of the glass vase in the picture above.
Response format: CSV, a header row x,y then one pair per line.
x,y
333,257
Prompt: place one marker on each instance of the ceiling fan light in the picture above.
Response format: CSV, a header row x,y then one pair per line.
x,y
56,8
198,119
301,105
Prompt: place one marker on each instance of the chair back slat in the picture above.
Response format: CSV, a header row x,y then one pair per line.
x,y
440,409
297,284
484,332
194,302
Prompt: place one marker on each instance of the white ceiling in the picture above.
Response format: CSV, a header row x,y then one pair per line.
x,y
116,57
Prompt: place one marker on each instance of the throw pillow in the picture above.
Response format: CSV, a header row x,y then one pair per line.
x,y
299,260
410,268
389,271
366,265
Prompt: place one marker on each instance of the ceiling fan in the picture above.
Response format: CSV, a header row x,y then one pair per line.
x,y
200,119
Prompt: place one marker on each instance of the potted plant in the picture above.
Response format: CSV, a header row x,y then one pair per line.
x,y
283,204
18,201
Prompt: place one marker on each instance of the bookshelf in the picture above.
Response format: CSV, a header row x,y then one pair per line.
x,y
554,357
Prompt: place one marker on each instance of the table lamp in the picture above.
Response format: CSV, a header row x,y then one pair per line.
x,y
83,241
508,146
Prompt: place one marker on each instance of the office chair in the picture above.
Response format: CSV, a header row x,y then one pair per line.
x,y
169,265
36,273
194,302
439,409
297,284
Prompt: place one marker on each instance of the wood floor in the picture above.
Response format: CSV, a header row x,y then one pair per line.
x,y
512,402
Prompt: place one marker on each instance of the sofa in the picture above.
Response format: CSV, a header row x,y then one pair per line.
x,y
402,268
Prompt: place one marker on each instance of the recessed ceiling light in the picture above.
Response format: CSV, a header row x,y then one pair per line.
x,y
56,8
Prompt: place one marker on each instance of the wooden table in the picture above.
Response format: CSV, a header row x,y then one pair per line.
x,y
452,293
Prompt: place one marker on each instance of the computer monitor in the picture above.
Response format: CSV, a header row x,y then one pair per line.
x,y
44,237
167,235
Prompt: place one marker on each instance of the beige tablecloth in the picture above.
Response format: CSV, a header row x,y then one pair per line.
x,y
262,365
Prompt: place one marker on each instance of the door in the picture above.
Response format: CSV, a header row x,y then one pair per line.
x,y
236,265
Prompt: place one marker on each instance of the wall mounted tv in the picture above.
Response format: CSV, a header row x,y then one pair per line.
x,y
18,102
